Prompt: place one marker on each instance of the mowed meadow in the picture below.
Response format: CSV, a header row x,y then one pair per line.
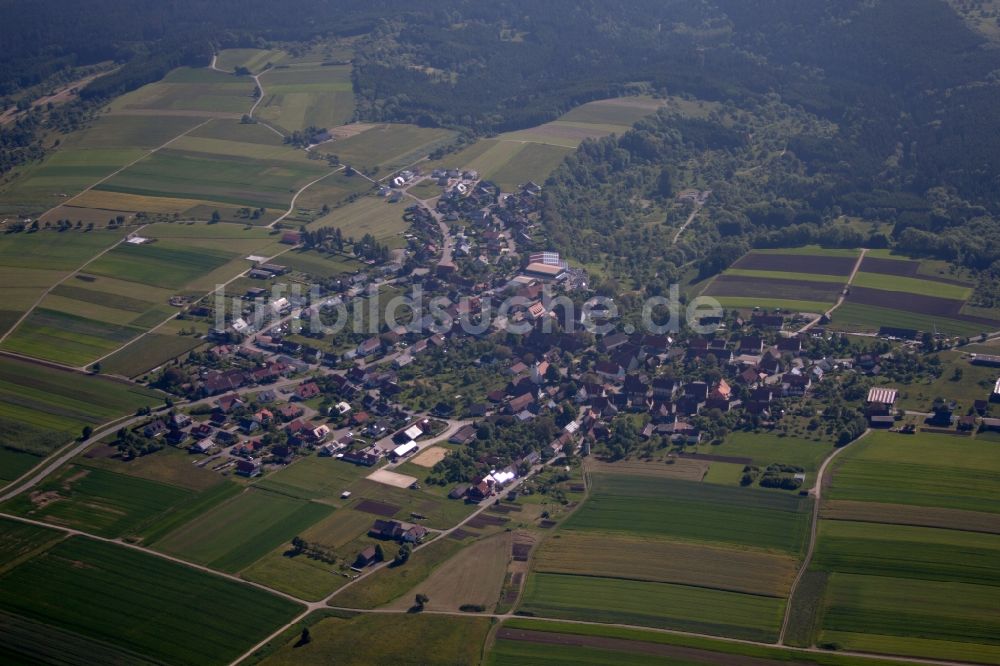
x,y
732,552
906,558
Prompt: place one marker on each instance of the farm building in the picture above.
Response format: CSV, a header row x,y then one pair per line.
x,y
248,468
989,360
404,450
880,401
546,271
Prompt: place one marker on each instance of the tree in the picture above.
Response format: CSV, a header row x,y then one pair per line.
x,y
403,555
87,432
216,216
420,601
379,553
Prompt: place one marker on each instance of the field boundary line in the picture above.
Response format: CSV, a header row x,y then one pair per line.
x,y
817,493
291,204
843,292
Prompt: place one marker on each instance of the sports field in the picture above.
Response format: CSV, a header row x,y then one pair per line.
x,y
127,600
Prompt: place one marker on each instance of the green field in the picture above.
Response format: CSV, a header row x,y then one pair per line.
x,y
396,639
909,552
924,469
66,338
767,448
663,605
191,90
99,501
693,511
390,582
785,275
368,215
252,59
506,163
21,541
572,644
150,352
168,264
232,535
222,179
43,407
912,285
388,146
313,477
300,97
140,603
788,305
857,317
14,463
319,265
944,620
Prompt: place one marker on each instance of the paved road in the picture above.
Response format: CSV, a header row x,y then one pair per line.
x,y
817,495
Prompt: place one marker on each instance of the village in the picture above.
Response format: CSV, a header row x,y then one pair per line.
x,y
268,394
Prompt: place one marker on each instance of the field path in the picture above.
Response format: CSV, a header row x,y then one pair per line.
x,y
843,293
689,220
291,204
817,494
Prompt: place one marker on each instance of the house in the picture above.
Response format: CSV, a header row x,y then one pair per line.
x,y
751,344
386,529
366,557
989,424
155,429
463,435
291,238
363,458
248,468
995,396
228,403
520,403
481,489
201,446
306,391
369,347
665,387
178,421
290,412
610,370
791,345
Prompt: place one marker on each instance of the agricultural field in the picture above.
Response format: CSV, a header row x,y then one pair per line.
x,y
474,576
368,215
662,605
42,407
932,470
388,147
524,642
314,477
693,512
253,59
300,97
428,639
31,263
101,592
187,91
905,562
319,265
589,121
808,279
891,290
215,178
98,501
234,534
20,541
766,448
506,163
391,582
636,557
125,292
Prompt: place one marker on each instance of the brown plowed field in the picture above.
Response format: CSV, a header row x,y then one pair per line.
x,y
903,268
796,263
898,300
378,508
